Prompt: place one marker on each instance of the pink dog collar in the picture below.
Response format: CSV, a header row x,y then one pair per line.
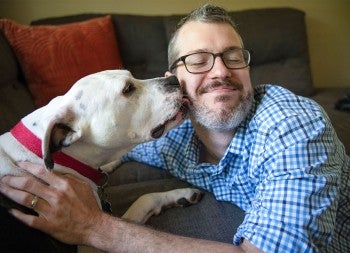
x,y
33,143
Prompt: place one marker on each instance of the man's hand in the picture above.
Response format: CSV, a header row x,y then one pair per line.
x,y
66,206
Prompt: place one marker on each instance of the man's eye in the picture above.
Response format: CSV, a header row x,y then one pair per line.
x,y
234,60
198,63
129,88
200,59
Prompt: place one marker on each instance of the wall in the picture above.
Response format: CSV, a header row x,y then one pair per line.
x,y
327,24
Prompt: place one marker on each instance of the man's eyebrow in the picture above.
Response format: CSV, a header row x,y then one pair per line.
x,y
232,47
202,50
197,51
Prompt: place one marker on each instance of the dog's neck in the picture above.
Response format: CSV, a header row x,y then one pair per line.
x,y
33,143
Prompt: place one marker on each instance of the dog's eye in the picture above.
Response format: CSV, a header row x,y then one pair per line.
x,y
129,88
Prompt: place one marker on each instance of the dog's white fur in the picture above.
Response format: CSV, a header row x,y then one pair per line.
x,y
104,115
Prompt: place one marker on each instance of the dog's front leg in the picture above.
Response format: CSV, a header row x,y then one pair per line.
x,y
153,203
109,167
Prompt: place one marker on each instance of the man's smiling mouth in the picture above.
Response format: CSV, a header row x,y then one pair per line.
x,y
224,86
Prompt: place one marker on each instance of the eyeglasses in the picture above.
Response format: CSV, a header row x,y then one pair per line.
x,y
201,62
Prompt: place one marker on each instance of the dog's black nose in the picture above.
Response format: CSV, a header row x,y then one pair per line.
x,y
172,80
171,84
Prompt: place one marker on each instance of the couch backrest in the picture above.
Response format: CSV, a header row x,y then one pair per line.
x,y
275,36
15,99
278,40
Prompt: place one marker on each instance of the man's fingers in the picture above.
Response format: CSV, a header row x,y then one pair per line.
x,y
9,189
25,184
38,171
23,189
48,186
30,220
27,219
18,196
55,180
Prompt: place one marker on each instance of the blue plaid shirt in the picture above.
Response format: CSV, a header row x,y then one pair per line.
x,y
285,167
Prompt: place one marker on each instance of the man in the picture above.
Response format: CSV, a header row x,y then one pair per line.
x,y
273,154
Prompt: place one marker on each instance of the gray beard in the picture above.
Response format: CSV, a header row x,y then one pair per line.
x,y
226,119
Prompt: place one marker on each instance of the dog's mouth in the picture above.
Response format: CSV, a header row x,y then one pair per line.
x,y
158,131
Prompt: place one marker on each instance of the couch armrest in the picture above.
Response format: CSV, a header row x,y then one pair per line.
x,y
327,97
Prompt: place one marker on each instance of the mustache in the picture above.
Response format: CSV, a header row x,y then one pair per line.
x,y
220,83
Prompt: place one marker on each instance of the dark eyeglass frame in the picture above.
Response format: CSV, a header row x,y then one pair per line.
x,y
183,58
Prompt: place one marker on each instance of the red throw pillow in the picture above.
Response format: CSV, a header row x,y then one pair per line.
x,y
54,57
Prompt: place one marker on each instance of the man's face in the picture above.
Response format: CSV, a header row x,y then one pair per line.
x,y
220,98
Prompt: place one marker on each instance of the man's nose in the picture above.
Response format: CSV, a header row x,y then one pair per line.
x,y
219,68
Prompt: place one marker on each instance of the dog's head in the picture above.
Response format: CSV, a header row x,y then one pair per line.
x,y
112,110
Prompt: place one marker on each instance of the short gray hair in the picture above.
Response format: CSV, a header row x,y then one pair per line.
x,y
207,14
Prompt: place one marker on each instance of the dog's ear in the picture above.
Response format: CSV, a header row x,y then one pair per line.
x,y
59,133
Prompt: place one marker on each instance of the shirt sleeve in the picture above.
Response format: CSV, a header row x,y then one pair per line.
x,y
296,197
168,152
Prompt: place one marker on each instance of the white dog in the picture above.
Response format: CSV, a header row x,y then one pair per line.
x,y
98,120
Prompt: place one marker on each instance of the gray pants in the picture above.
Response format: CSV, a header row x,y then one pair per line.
x,y
209,219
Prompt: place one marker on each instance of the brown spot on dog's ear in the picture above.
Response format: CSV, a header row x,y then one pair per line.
x,y
49,164
57,141
61,131
58,137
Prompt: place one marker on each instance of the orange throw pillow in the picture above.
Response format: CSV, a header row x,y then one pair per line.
x,y
54,57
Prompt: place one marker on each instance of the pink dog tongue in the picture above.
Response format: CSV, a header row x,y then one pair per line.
x,y
185,103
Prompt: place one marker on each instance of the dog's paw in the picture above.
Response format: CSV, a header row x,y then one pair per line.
x,y
153,203
190,197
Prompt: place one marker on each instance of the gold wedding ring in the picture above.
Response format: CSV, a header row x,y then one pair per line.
x,y
34,202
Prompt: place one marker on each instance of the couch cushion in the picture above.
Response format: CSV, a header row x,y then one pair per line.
x,y
143,44
131,180
278,41
55,57
9,70
142,41
327,98
15,99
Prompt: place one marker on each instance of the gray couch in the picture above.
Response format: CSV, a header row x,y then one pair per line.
x,y
276,37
